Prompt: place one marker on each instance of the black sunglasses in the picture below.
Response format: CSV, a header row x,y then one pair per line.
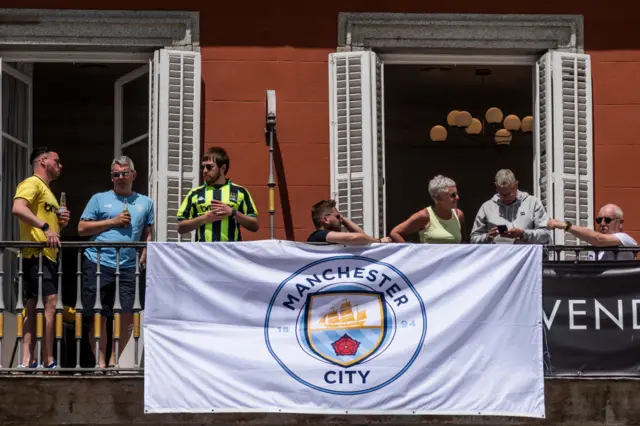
x,y
607,220
206,166
453,195
116,175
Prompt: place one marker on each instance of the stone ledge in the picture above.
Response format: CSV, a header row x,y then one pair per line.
x,y
533,33
51,400
68,28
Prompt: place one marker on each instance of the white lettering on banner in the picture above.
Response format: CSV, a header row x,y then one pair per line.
x,y
616,316
343,312
617,320
549,321
572,313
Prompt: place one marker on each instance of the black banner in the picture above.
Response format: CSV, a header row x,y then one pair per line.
x,y
592,319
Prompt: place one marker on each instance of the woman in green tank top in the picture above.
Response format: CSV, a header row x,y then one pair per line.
x,y
442,223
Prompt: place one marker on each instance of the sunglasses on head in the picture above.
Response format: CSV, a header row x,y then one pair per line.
x,y
607,220
206,166
116,175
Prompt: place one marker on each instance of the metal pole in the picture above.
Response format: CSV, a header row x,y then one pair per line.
x,y
59,310
19,309
271,184
78,307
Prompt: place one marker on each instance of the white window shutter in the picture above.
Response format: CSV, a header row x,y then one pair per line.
x,y
357,145
177,111
572,141
543,134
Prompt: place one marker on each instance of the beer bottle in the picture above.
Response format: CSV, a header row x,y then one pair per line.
x,y
63,203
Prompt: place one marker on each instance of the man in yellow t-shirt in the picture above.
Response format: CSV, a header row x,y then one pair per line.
x,y
40,221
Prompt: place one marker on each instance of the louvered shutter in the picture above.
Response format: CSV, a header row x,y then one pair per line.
x,y
572,141
357,147
178,135
154,78
543,132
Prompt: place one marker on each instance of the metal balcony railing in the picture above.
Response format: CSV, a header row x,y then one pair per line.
x,y
11,271
72,319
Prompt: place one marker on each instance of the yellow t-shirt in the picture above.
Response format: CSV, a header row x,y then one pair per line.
x,y
44,205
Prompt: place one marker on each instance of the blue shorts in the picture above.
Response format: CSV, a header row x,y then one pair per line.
x,y
107,288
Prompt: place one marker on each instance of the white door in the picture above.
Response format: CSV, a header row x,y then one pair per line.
x,y
131,122
357,138
174,121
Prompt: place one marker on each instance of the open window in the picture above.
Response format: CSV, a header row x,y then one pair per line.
x,y
563,152
357,138
174,130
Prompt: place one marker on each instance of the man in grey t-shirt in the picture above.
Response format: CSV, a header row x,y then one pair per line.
x,y
521,216
610,223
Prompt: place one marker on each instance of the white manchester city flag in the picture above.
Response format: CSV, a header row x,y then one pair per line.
x,y
277,326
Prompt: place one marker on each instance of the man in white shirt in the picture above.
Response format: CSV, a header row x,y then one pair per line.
x,y
610,223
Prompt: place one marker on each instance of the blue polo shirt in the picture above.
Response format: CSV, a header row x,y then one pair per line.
x,y
107,205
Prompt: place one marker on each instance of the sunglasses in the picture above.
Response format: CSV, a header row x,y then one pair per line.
x,y
206,166
453,195
607,220
116,175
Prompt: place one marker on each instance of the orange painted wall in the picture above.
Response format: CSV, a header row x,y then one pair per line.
x,y
250,47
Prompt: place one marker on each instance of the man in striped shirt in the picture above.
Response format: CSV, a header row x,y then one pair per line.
x,y
217,209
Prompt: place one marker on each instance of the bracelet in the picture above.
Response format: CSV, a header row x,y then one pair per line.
x,y
567,225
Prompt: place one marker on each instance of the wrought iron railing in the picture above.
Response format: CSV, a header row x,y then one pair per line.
x,y
11,271
16,274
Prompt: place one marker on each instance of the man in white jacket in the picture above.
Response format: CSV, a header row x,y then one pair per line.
x,y
511,216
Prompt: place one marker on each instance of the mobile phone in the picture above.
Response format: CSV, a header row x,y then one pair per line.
x,y
502,229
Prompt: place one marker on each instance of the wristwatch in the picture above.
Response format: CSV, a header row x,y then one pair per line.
x,y
567,225
45,227
233,212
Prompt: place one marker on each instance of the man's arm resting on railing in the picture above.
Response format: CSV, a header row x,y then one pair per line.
x,y
23,212
350,238
587,235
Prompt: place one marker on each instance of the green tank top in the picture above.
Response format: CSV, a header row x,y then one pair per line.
x,y
440,231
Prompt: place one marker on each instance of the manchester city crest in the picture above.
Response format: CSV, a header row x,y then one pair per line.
x,y
346,325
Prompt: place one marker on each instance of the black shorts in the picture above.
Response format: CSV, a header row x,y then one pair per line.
x,y
30,277
107,288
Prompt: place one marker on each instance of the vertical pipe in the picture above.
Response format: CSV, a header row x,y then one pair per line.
x,y
117,308
59,309
19,309
39,314
136,312
272,183
97,309
1,302
78,307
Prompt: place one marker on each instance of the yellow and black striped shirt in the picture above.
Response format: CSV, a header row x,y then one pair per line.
x,y
197,203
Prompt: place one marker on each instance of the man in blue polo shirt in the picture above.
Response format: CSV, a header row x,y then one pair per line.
x,y
119,215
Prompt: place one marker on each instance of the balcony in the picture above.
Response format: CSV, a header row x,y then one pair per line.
x,y
74,393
